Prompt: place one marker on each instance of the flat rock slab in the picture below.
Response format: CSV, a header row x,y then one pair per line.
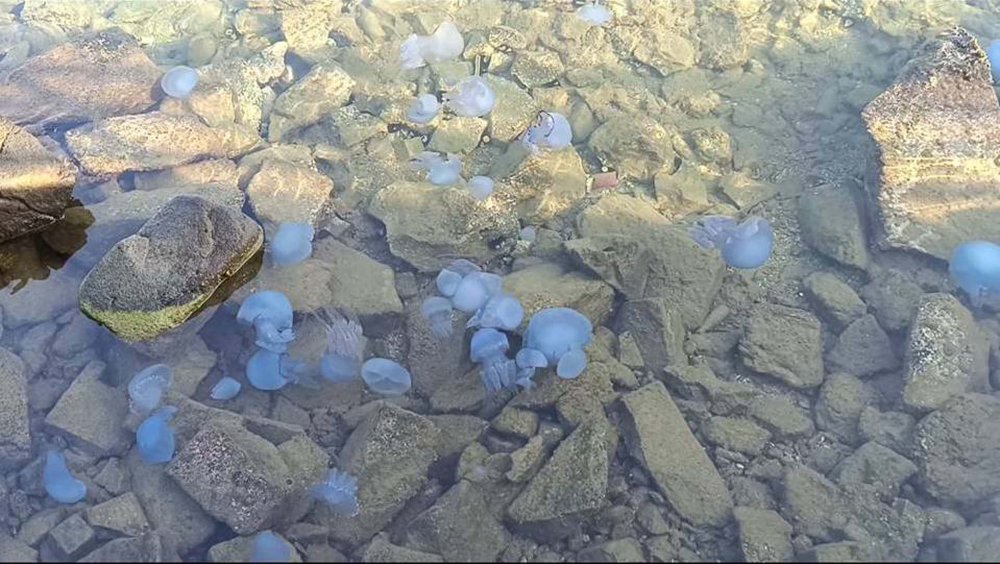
x,y
93,77
91,413
35,186
428,226
153,141
460,527
957,450
946,354
658,436
243,479
15,432
785,343
548,285
627,243
283,191
389,453
155,280
573,483
934,178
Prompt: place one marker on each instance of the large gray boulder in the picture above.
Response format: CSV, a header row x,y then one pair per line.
x,y
155,280
937,132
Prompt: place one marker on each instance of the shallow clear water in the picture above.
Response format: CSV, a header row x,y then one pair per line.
x,y
842,397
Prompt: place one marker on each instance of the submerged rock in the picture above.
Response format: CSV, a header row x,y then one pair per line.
x,y
937,131
785,343
35,186
283,191
426,225
156,279
15,433
95,76
153,141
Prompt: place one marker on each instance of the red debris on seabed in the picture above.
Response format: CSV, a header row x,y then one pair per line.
x,y
604,181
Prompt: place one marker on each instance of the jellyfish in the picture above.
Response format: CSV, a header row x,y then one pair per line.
x,y
550,131
59,483
744,245
528,360
270,313
528,233
226,389
339,490
154,438
470,97
441,171
345,346
437,311
560,334
475,289
268,371
481,187
384,376
179,81
594,14
489,348
444,44
424,109
975,268
269,547
291,244
501,311
993,55
146,389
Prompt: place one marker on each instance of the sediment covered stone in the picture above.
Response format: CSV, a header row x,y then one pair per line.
x,y
59,85
946,353
573,483
933,177
243,479
658,436
785,343
427,225
35,186
764,535
957,450
91,413
15,432
155,280
460,527
283,191
389,453
626,242
549,285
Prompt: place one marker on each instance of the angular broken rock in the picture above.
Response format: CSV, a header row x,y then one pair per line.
x,y
658,437
283,191
154,141
15,432
934,179
243,479
35,186
93,77
155,280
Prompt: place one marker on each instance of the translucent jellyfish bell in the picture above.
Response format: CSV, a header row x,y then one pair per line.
x,y
59,483
291,244
437,311
975,268
531,358
424,109
470,97
265,371
551,131
501,311
594,14
179,81
447,282
226,389
270,313
339,490
445,44
475,290
558,331
489,348
384,376
744,245
993,55
147,387
481,187
441,170
154,438
269,547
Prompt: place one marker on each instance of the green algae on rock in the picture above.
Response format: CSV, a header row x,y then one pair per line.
x,y
155,280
